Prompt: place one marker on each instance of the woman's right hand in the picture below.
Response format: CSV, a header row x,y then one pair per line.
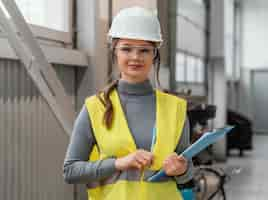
x,y
136,160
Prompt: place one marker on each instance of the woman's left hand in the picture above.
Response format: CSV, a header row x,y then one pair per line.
x,y
175,165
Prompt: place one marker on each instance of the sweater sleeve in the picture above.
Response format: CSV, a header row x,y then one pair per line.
x,y
184,142
76,168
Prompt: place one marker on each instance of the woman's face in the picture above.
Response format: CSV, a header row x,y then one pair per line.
x,y
134,59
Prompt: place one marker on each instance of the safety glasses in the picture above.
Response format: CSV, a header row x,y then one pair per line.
x,y
142,51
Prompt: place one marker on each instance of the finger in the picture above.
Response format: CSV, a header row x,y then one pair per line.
x,y
170,166
168,161
149,161
169,169
141,160
181,167
182,162
144,160
172,156
175,163
146,154
173,166
137,165
149,157
181,158
176,167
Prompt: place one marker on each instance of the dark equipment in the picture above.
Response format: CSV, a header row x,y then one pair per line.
x,y
200,114
198,117
241,136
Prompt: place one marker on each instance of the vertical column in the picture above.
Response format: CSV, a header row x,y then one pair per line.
x,y
163,14
172,41
92,18
217,77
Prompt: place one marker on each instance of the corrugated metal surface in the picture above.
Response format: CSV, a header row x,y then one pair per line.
x,y
32,144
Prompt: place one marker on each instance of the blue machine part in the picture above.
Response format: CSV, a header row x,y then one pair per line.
x,y
188,194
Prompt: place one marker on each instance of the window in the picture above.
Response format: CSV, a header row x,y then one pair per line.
x,y
180,67
193,11
191,69
190,41
49,19
51,14
200,71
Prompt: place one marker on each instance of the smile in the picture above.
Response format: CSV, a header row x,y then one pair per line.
x,y
135,66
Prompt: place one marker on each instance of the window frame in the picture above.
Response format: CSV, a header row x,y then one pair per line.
x,y
49,34
186,56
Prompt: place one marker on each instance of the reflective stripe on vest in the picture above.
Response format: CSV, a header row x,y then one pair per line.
x,y
118,142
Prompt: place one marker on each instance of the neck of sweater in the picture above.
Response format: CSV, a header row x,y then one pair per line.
x,y
142,88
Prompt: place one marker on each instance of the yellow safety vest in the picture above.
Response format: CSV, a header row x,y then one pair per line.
x,y
118,142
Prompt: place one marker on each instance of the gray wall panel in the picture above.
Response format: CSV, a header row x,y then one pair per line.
x,y
32,143
260,101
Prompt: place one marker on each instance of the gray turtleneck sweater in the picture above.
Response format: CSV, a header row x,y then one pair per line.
x,y
139,105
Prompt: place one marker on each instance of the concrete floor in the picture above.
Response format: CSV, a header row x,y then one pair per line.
x,y
252,182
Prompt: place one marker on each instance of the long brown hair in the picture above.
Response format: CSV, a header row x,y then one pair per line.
x,y
104,95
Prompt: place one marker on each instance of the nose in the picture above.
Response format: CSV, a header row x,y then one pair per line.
x,y
135,54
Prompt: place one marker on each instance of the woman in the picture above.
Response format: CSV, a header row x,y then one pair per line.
x,y
128,132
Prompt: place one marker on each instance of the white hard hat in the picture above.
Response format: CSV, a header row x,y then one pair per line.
x,y
136,23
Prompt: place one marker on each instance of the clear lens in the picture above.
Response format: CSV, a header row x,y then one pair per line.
x,y
143,51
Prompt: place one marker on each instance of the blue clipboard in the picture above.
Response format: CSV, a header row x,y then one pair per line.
x,y
205,140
